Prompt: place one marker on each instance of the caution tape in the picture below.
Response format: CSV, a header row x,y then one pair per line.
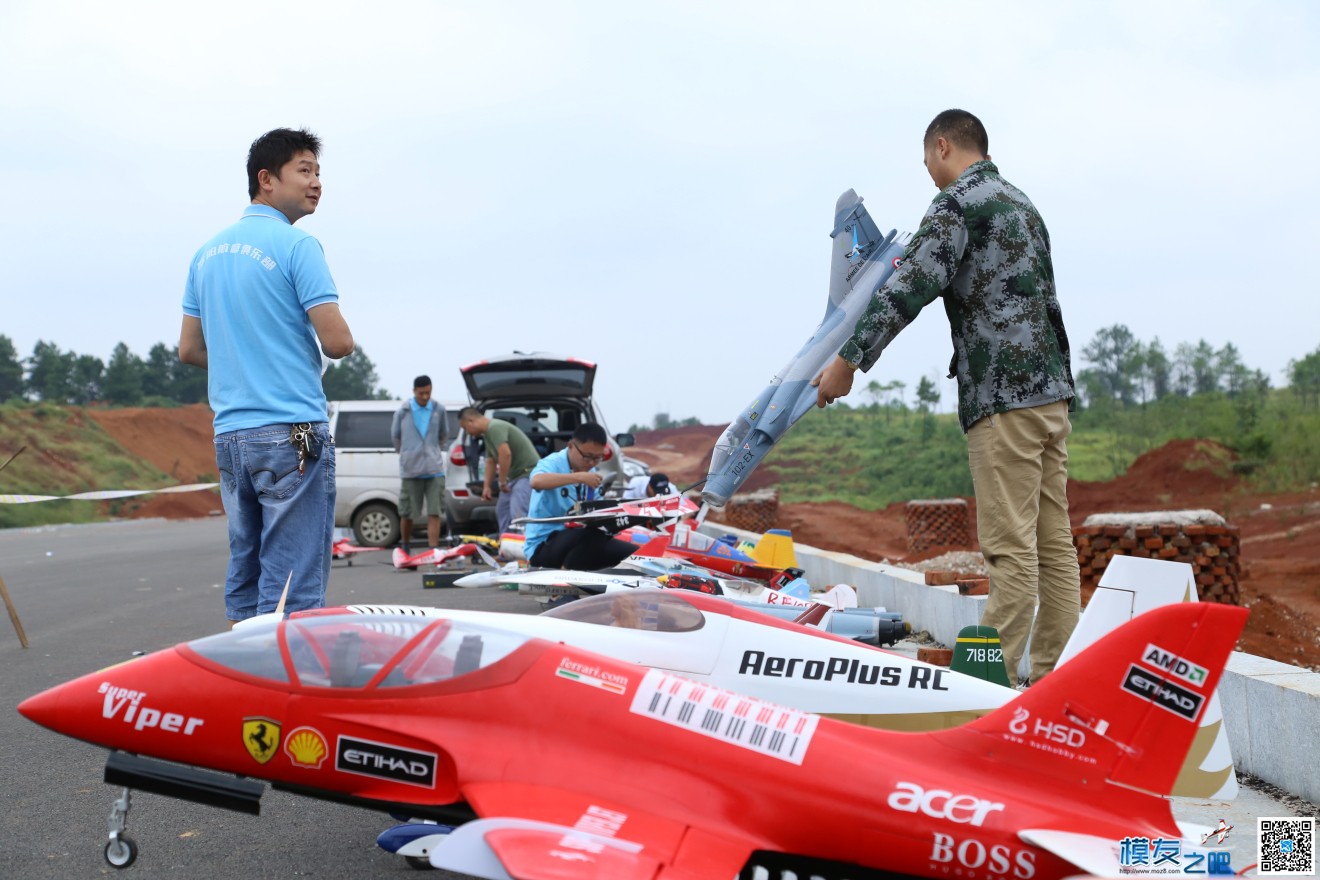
x,y
105,494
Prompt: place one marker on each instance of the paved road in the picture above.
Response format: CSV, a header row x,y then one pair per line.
x,y
92,595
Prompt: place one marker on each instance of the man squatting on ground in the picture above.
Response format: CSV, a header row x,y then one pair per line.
x,y
259,296
560,481
420,432
511,455
983,247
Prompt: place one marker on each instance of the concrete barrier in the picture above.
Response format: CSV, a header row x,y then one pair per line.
x,y
1271,709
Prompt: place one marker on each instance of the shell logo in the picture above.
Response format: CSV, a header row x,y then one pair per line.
x,y
306,747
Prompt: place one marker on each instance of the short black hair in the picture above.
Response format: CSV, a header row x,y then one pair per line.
x,y
590,432
468,412
273,150
422,381
961,129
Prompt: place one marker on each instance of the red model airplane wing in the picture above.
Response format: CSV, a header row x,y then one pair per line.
x,y
564,834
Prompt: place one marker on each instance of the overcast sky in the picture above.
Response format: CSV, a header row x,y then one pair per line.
x,y
651,186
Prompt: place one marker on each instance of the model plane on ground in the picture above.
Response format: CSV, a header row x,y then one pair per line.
x,y
343,548
860,261
433,556
703,551
573,764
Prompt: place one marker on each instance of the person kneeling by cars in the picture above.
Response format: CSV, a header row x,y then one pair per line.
x,y
558,483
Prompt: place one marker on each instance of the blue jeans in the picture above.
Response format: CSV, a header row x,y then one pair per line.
x,y
280,521
513,503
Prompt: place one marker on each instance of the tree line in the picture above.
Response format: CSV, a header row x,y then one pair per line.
x,y
53,375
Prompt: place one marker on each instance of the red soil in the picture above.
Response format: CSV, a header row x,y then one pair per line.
x,y
178,441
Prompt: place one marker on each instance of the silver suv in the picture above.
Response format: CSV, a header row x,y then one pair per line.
x,y
547,396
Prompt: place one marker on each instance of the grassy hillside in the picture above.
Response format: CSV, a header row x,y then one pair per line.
x,y
871,457
66,452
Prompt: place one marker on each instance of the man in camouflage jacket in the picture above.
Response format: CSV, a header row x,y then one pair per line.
x,y
983,248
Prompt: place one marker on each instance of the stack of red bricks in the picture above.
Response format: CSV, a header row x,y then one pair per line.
x,y
1200,538
968,583
752,511
941,522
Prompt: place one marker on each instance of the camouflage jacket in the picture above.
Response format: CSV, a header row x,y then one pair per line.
x,y
983,247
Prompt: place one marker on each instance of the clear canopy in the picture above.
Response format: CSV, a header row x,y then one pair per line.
x,y
654,610
360,650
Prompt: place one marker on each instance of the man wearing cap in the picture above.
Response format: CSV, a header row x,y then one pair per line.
x,y
659,485
510,456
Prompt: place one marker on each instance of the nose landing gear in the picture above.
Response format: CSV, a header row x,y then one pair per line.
x,y
121,851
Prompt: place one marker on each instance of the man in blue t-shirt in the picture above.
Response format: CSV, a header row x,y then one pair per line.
x,y
259,309
559,482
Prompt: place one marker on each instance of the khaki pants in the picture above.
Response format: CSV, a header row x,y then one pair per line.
x,y
1019,464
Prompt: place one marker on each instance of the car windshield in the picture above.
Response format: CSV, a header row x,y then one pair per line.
x,y
654,610
361,650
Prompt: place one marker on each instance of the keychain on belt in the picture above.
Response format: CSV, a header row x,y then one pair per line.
x,y
308,446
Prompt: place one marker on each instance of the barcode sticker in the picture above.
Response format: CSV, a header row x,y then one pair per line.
x,y
753,724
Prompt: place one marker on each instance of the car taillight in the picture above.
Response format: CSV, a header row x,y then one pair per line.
x,y
609,452
461,493
456,455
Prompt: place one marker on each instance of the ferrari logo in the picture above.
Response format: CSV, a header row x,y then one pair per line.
x,y
261,738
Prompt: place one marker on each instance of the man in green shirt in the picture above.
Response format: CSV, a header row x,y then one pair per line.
x,y
510,455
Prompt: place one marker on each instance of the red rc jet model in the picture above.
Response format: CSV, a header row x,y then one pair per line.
x,y
559,763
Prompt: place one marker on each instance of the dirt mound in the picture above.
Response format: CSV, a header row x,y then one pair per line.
x,y
1178,475
682,454
179,441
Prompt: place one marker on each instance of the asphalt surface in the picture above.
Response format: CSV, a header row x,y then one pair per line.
x,y
90,596
94,595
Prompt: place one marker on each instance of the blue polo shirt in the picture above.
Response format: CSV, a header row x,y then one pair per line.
x,y
251,286
552,502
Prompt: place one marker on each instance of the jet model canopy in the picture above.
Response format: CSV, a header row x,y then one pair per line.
x,y
652,610
359,651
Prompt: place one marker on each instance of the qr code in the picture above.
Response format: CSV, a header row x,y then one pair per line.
x,y
1285,846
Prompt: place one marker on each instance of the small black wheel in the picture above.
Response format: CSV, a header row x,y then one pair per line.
x,y
418,863
121,852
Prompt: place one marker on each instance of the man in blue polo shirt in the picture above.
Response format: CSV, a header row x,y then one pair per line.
x,y
560,481
259,297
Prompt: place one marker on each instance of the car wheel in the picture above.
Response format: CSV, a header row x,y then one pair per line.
x,y
376,525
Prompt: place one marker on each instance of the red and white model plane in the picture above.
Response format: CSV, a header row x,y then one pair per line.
x,y
571,764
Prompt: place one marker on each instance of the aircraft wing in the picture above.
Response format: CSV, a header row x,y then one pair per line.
x,y
539,833
611,521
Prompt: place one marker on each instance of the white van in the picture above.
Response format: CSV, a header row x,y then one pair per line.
x,y
367,469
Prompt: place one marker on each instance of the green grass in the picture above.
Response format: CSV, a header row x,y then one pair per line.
x,y
870,459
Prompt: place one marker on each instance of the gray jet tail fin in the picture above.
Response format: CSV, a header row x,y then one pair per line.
x,y
856,238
